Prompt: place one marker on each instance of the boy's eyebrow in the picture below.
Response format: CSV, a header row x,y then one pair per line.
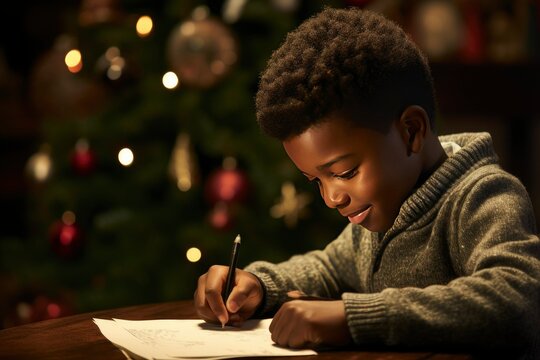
x,y
332,162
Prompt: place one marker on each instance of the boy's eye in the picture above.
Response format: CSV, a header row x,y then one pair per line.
x,y
347,174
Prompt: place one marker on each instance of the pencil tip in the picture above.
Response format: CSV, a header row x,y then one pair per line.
x,y
237,240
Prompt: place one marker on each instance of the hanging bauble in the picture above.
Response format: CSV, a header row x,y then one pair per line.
x,y
201,51
291,206
39,166
183,163
66,237
83,159
93,12
221,217
227,184
57,92
438,28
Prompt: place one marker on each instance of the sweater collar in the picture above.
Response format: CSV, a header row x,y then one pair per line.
x,y
476,151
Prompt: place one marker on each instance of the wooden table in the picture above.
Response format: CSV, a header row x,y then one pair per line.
x,y
77,337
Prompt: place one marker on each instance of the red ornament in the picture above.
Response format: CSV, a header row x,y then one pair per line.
x,y
220,216
45,308
65,237
227,184
83,159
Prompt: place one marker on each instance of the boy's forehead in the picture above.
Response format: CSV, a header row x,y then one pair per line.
x,y
335,133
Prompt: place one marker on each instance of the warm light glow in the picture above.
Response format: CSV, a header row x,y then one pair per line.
x,y
193,254
73,61
39,165
144,26
68,217
24,311
170,80
125,157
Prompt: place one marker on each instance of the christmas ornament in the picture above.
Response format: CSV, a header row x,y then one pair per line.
x,y
94,12
201,51
221,217
58,93
291,205
182,166
438,28
39,165
227,184
83,159
65,237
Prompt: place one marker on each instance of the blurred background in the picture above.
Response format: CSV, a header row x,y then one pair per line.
x,y
129,153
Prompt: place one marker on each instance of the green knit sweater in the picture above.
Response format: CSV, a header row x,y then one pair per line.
x,y
459,269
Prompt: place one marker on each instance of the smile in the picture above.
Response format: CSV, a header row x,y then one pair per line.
x,y
359,217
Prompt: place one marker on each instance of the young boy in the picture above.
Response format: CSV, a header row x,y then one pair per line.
x,y
440,251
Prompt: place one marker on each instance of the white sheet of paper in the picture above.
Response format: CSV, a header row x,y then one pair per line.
x,y
166,339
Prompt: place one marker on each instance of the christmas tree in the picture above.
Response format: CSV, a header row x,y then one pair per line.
x,y
151,160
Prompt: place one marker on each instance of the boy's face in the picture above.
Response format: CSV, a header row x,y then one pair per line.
x,y
366,175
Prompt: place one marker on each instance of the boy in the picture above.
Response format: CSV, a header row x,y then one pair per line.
x,y
441,248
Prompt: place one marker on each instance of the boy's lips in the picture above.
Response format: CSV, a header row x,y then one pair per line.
x,y
359,216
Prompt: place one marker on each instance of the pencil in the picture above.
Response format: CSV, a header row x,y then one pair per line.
x,y
232,269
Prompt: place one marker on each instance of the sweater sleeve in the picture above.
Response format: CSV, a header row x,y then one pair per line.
x,y
318,272
493,304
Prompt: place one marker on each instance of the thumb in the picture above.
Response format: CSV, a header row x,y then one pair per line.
x,y
236,300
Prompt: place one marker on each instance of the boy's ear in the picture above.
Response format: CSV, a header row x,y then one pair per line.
x,y
413,126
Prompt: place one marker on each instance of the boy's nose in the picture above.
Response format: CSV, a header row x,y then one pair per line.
x,y
335,198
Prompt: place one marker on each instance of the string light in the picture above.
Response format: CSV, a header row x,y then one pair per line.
x,y
73,60
125,157
170,80
144,26
193,254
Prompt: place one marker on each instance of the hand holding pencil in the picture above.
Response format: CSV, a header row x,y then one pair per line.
x,y
227,296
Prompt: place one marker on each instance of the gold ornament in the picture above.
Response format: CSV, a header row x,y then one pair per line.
x,y
201,51
183,163
291,205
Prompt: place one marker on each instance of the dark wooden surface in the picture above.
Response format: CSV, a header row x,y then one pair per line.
x,y
77,337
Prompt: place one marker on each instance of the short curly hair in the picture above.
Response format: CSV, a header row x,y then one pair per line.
x,y
349,61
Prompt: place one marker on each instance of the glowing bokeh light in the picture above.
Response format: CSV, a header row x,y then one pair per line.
x,y
125,157
170,80
193,254
144,26
73,60
68,217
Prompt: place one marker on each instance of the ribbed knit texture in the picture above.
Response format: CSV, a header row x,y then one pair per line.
x,y
459,269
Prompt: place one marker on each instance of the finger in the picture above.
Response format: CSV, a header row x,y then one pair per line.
x,y
284,331
198,297
275,321
201,305
213,288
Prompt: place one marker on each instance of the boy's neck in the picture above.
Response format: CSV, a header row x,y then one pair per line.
x,y
433,155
